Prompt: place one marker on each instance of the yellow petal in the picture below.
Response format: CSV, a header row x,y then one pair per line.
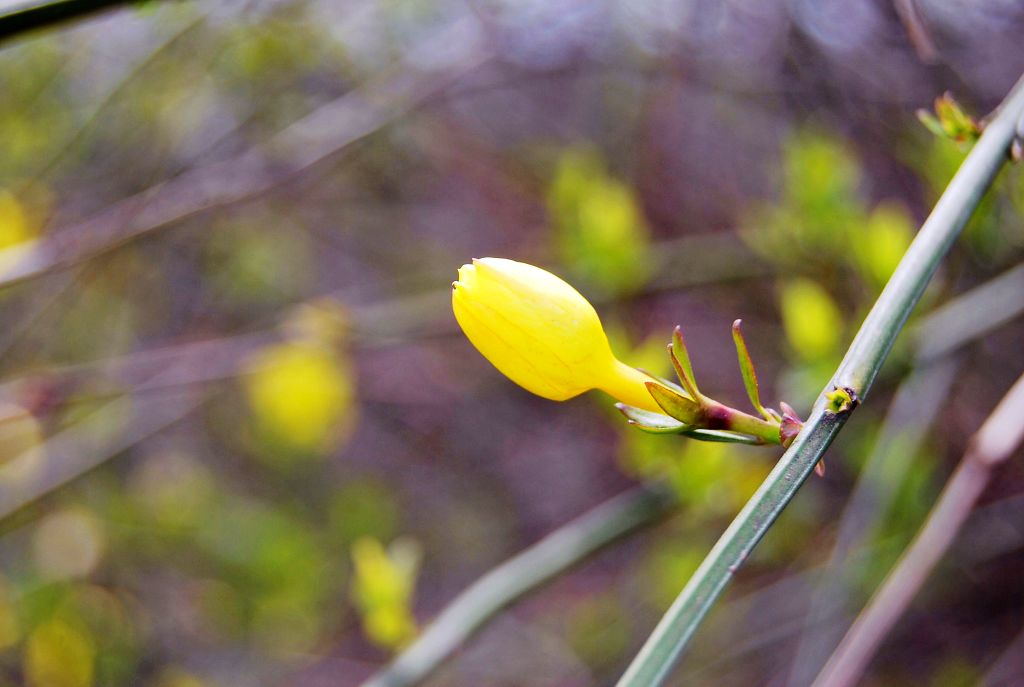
x,y
540,332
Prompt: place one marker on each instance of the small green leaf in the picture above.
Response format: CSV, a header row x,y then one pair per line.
x,y
675,404
950,121
747,370
723,437
681,361
654,423
930,122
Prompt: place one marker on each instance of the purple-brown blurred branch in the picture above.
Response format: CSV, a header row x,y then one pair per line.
x,y
993,444
914,407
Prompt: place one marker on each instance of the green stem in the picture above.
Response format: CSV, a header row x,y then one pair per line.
x,y
856,372
738,421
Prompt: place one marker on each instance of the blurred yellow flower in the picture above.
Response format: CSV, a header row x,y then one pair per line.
x,y
15,226
10,627
811,319
302,393
59,655
17,230
541,333
382,589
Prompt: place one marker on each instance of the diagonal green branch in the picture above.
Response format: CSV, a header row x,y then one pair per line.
x,y
853,379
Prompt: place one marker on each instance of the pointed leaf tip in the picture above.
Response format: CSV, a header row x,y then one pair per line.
x,y
681,362
654,423
723,437
748,372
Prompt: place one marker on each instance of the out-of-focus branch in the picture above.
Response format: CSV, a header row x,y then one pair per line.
x,y
1009,667
180,365
912,411
47,294
319,135
910,15
993,444
88,444
29,16
552,555
129,75
970,315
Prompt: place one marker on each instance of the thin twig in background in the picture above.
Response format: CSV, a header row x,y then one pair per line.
x,y
30,16
130,75
999,436
853,380
913,409
181,365
317,136
761,604
88,444
920,37
970,315
563,548
1008,668
50,293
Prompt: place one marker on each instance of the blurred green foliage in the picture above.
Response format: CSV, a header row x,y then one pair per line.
x,y
822,222
597,224
598,629
250,266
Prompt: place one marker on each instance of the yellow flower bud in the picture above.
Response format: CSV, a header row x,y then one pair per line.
x,y
541,333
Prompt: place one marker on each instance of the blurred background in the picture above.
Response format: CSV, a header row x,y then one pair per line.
x,y
243,441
